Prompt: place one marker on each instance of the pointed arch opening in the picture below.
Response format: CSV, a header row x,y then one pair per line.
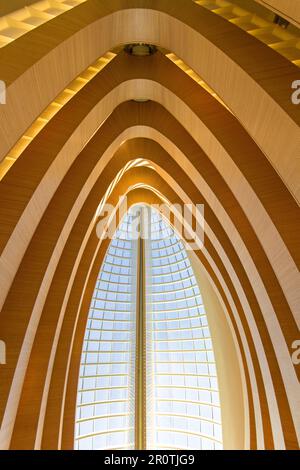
x,y
148,376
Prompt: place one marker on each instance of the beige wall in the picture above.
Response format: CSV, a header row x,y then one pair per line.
x,y
232,387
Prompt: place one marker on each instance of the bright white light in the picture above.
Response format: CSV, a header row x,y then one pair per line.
x,y
183,409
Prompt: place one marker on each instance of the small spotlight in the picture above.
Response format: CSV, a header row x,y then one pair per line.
x,y
140,49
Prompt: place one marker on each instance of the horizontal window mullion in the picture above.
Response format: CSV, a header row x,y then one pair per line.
x,y
110,320
178,351
124,447
190,297
102,375
169,255
185,387
114,282
178,309
190,276
109,311
115,301
110,431
125,341
166,265
108,331
166,247
179,318
107,352
175,340
170,447
116,265
190,328
169,283
182,289
179,415
107,402
92,418
162,374
116,247
187,362
178,400
98,389
84,364
190,433
113,255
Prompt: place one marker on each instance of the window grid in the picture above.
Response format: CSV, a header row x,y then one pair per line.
x,y
105,403
185,399
183,409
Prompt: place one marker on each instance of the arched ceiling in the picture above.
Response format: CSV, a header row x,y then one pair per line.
x,y
236,163
260,74
286,8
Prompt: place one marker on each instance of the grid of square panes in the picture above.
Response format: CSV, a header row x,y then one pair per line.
x,y
182,382
105,404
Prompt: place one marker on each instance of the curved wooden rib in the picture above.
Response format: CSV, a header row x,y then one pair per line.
x,y
44,337
85,163
186,29
199,152
236,159
85,277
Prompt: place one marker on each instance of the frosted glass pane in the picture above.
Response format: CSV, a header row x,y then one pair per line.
x,y
105,402
183,409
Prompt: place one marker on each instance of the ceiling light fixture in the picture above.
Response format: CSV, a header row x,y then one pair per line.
x,y
140,49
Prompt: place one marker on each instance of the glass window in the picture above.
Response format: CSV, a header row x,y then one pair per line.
x,y
183,406
105,403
